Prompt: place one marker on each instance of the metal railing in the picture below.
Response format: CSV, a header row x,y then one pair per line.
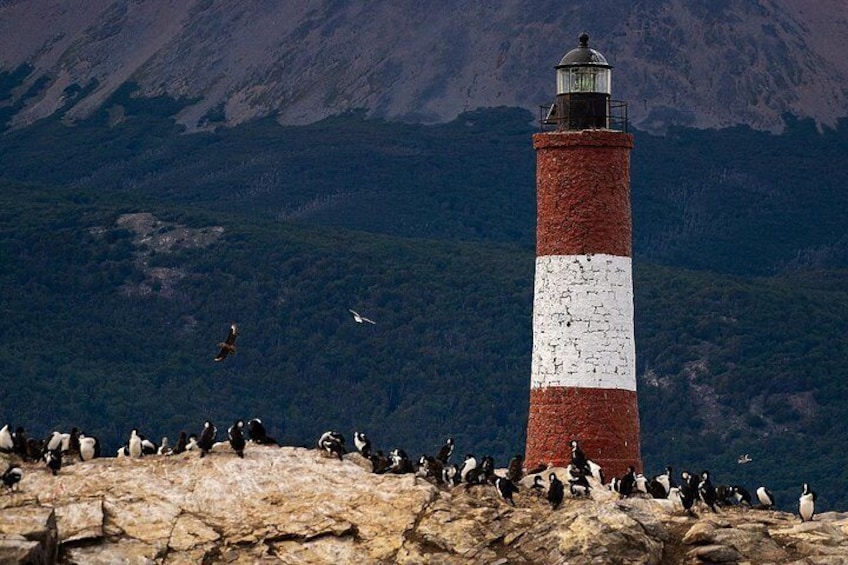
x,y
616,120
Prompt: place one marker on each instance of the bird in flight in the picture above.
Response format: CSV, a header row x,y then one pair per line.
x,y
744,459
360,319
229,344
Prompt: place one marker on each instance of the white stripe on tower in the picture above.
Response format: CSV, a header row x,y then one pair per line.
x,y
583,322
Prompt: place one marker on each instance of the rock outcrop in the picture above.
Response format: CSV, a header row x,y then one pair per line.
x,y
295,505
677,61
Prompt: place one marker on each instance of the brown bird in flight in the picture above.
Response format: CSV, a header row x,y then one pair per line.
x,y
229,345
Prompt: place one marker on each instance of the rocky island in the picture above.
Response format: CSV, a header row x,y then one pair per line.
x,y
297,505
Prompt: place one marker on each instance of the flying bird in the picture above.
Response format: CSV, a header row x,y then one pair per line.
x,y
744,459
360,319
229,345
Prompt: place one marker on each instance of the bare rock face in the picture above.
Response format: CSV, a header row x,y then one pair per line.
x,y
295,505
28,535
677,61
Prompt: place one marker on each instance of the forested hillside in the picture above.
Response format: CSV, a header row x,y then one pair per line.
x,y
129,246
734,200
108,328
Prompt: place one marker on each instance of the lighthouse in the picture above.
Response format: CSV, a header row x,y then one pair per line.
x,y
583,370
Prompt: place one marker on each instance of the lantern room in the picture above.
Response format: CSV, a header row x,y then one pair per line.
x,y
583,89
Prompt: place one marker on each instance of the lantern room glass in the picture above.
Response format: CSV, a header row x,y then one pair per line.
x,y
583,79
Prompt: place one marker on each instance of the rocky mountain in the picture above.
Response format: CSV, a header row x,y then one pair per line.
x,y
295,505
676,61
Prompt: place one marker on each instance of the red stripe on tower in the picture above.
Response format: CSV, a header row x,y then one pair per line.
x,y
583,381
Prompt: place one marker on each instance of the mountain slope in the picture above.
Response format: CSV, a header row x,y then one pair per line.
x,y
113,307
676,61
733,200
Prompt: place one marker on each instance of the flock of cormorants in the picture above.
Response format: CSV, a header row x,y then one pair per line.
x,y
693,488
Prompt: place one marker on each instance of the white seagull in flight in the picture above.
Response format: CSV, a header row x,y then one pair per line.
x,y
360,319
744,459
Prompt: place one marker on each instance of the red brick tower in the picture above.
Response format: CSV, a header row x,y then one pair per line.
x,y
583,381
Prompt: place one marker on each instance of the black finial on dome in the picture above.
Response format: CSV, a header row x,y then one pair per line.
x,y
583,39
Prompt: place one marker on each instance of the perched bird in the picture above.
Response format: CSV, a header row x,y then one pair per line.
x,y
34,449
257,434
483,472
228,346
744,459
359,319
181,444
53,458
89,448
724,495
765,497
615,485
574,472
135,447
12,476
73,445
556,491
740,494
401,463
687,492
362,443
207,437
467,466
148,447
578,458
807,504
20,440
379,462
596,471
660,485
641,484
236,437
450,473
579,486
431,468
332,443
537,488
627,483
446,451
191,443
54,441
7,441
514,471
707,492
506,489
164,447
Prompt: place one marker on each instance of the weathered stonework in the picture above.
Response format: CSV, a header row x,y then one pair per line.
x,y
583,193
603,420
583,322
583,375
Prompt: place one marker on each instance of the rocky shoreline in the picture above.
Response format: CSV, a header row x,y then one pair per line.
x,y
295,505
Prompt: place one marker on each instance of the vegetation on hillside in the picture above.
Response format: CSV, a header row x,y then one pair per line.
x,y
734,201
721,359
739,259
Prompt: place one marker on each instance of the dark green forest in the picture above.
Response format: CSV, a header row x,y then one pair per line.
x,y
739,270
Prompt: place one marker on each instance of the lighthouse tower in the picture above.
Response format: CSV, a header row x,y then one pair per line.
x,y
583,381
